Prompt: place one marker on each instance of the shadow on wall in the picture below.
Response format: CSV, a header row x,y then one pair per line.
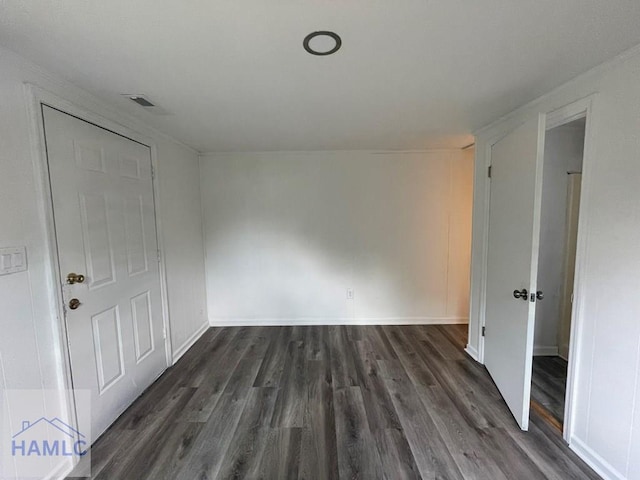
x,y
289,235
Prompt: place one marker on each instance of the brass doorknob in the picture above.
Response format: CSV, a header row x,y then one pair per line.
x,y
74,303
75,278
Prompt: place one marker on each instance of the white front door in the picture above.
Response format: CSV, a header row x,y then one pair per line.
x,y
514,224
104,214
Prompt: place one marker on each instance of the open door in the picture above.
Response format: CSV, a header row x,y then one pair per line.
x,y
514,225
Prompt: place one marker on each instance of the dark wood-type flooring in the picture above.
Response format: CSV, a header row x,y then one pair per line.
x,y
549,384
325,403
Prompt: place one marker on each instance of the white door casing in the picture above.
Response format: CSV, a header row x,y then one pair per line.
x,y
514,226
103,204
570,249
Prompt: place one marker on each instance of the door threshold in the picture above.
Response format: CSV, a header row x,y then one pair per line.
x,y
543,413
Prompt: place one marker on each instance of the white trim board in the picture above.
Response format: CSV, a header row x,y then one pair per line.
x,y
62,470
595,461
181,350
250,322
545,351
472,352
295,153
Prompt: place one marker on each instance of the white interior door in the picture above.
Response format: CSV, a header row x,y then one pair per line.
x,y
105,227
514,225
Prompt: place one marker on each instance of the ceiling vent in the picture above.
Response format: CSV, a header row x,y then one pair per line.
x,y
147,104
140,100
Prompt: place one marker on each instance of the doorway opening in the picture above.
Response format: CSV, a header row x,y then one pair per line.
x,y
560,209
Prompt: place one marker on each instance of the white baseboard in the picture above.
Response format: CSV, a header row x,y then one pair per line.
x,y
272,322
545,351
595,461
61,471
189,343
472,352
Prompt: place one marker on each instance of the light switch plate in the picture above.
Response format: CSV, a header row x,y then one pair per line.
x,y
13,260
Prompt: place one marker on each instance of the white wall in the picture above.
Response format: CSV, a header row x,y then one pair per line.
x,y
30,348
288,233
606,425
181,217
563,153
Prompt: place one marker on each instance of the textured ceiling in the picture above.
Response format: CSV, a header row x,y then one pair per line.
x,y
233,76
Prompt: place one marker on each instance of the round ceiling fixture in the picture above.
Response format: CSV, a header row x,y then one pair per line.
x,y
322,43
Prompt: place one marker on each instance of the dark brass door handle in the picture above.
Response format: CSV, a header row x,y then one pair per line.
x,y
75,278
539,294
521,294
74,303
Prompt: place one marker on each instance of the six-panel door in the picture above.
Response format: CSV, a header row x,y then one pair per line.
x,y
105,227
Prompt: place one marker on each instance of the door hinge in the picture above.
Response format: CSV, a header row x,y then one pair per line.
x,y
153,173
159,258
484,329
489,171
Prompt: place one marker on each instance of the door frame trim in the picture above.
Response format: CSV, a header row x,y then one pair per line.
x,y
583,107
35,98
573,111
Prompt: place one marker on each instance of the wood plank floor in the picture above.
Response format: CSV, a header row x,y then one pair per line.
x,y
549,384
325,403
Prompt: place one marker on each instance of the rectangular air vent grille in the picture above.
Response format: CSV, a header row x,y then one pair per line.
x,y
140,100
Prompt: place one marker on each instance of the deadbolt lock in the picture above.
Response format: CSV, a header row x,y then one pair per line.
x,y
74,303
75,278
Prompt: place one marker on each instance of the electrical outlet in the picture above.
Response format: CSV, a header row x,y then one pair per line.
x,y
349,294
